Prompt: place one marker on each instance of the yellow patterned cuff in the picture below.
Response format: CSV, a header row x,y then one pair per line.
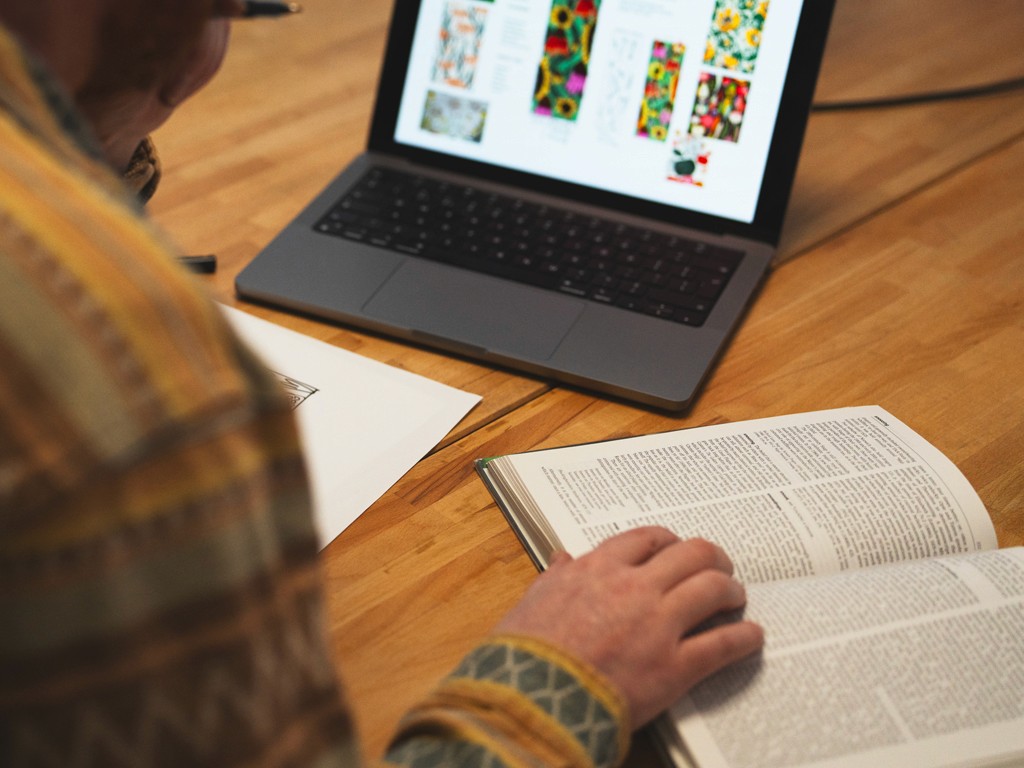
x,y
560,701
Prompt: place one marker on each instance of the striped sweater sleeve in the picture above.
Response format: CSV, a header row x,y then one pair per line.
x,y
160,601
516,702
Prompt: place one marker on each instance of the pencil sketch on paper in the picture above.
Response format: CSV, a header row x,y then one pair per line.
x,y
296,390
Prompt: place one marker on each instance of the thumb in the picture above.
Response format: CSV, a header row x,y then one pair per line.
x,y
202,65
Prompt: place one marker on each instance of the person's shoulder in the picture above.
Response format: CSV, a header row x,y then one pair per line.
x,y
105,337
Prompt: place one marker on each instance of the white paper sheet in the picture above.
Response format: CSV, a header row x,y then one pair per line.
x,y
364,424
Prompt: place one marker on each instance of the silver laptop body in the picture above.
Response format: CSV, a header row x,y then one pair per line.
x,y
617,137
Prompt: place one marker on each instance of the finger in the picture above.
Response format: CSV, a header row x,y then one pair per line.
x,y
702,596
232,9
637,545
702,655
203,64
681,560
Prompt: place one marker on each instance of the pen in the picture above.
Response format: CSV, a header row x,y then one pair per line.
x,y
268,8
206,264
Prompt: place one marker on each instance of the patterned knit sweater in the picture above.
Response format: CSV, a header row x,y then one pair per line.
x,y
160,601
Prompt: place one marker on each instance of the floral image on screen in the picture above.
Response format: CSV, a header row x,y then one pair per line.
x,y
660,90
462,30
735,37
562,75
454,116
718,111
689,161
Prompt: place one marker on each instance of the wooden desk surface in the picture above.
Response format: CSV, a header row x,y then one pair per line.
x,y
901,283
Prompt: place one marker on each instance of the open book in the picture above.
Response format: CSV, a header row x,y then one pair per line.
x,y
894,627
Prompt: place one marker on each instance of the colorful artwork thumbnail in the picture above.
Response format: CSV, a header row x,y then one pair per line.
x,y
454,116
562,75
462,31
720,106
735,37
689,161
660,90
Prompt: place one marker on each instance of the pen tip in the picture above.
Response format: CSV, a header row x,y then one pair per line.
x,y
294,7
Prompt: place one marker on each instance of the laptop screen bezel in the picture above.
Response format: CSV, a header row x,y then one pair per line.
x,y
780,168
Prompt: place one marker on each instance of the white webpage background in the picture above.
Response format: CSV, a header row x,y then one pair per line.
x,y
582,151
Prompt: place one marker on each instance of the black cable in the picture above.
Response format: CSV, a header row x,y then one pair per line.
x,y
988,89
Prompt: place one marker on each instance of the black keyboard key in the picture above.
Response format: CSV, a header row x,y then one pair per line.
x,y
591,258
658,309
711,289
573,287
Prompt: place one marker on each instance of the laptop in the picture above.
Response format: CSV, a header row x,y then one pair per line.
x,y
590,191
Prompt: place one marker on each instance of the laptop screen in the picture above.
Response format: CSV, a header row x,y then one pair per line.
x,y
665,101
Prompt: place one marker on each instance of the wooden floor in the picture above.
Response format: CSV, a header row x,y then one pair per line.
x,y
900,281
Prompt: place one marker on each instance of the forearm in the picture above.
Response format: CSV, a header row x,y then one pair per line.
x,y
516,702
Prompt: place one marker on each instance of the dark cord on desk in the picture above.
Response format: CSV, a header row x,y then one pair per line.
x,y
988,89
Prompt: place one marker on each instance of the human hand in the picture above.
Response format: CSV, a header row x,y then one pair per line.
x,y
626,608
126,118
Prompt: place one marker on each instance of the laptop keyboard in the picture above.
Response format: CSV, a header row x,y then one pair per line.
x,y
591,258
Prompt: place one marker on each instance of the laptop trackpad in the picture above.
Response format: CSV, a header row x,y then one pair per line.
x,y
483,311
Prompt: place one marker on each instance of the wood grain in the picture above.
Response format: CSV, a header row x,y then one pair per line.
x,y
908,293
920,310
293,102
290,107
855,164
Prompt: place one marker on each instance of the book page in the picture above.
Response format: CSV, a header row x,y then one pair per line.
x,y
915,663
786,497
